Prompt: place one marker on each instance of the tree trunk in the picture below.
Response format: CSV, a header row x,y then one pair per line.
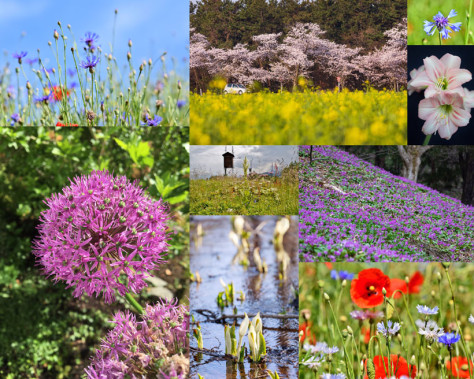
x,y
379,158
466,161
411,157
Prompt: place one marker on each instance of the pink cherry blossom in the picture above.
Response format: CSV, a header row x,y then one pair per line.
x,y
442,76
443,112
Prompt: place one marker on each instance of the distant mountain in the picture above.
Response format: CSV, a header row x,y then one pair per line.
x,y
351,210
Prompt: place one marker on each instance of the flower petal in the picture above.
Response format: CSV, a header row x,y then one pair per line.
x,y
421,81
451,61
452,13
447,130
459,116
434,68
457,77
431,124
427,107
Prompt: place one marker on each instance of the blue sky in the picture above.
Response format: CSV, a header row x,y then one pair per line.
x,y
154,26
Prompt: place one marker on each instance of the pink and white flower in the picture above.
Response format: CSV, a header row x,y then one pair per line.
x,y
444,113
441,76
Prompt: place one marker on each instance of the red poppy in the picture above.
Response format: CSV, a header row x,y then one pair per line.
x,y
366,290
61,124
414,285
328,265
459,367
305,333
399,365
366,333
58,93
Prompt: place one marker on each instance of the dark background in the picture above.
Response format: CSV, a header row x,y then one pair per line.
x,y
416,54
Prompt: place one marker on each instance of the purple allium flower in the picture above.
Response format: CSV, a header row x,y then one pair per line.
x,y
20,56
90,63
99,228
442,24
449,339
151,348
153,122
90,39
181,103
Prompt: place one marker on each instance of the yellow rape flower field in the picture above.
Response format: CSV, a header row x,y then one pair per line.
x,y
321,118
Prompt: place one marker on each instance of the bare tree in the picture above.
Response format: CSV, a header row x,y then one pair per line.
x,y
411,157
466,161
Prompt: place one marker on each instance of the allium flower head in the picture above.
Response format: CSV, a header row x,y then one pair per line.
x,y
152,347
442,24
99,228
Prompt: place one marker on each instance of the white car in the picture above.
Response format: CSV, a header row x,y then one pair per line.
x,y
235,88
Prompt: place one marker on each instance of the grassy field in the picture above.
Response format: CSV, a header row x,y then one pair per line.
x,y
231,195
324,118
419,11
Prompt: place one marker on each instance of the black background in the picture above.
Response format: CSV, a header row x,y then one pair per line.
x,y
416,54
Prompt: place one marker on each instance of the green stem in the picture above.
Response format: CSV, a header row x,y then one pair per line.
x,y
134,303
466,38
439,35
427,140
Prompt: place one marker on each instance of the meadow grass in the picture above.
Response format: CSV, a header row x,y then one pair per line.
x,y
421,10
87,86
227,195
322,117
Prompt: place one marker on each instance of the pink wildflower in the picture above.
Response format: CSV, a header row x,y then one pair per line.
x,y
99,228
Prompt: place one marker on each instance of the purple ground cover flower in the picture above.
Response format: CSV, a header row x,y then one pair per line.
x,y
442,24
99,228
90,63
376,216
153,347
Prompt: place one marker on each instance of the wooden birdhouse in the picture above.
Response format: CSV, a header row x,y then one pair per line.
x,y
228,161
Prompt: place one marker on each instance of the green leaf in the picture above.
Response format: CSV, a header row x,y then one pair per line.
x,y
177,199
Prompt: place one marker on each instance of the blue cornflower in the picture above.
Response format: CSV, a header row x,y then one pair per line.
x,y
342,275
71,72
442,24
153,121
90,63
44,99
333,376
391,329
471,319
424,310
90,39
181,103
32,61
449,339
15,117
19,56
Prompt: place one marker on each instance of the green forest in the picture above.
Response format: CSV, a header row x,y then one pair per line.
x,y
353,23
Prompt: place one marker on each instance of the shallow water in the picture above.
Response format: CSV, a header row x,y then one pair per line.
x,y
212,257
